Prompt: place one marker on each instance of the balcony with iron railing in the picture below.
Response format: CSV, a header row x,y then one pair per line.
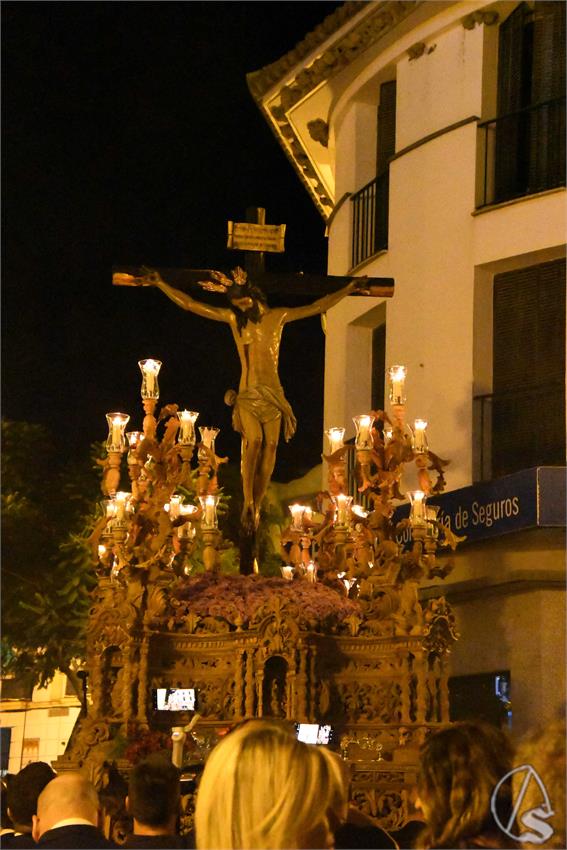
x,y
523,152
370,219
518,429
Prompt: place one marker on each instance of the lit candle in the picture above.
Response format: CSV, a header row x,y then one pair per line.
x,y
121,500
363,426
397,381
174,507
116,425
419,436
348,583
209,506
101,550
359,511
335,436
296,516
150,369
134,437
287,572
417,512
311,571
187,419
343,505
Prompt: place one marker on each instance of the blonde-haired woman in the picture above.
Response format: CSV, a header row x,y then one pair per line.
x,y
262,788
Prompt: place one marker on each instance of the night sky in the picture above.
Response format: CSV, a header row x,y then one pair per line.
x,y
130,138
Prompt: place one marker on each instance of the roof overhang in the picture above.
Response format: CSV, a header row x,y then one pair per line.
x,y
295,98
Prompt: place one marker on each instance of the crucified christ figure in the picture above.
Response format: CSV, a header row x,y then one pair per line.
x,y
260,406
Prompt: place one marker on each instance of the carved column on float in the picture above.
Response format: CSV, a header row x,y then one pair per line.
x,y
312,683
96,683
405,685
444,684
249,684
238,685
259,691
421,673
301,684
143,681
127,691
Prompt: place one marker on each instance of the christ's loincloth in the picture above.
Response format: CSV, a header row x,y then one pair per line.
x,y
265,404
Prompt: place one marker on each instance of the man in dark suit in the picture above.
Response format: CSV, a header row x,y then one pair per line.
x,y
153,802
23,791
67,815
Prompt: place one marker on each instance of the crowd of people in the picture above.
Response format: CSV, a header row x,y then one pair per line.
x,y
262,788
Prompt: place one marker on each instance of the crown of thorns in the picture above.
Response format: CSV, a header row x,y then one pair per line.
x,y
237,287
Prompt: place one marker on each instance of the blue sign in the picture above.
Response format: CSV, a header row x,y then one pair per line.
x,y
528,499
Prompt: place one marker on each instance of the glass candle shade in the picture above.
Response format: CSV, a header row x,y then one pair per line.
x,y
419,439
363,425
122,499
418,516
173,507
208,437
297,512
348,583
335,439
186,436
186,531
431,512
397,376
134,439
287,572
116,440
359,511
311,571
109,507
150,371
209,505
187,510
342,513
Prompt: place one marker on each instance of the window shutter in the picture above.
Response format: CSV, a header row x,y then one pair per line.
x,y
386,126
509,131
547,124
510,54
379,367
528,368
548,66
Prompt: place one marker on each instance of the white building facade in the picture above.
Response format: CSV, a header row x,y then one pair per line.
x,y
36,723
431,137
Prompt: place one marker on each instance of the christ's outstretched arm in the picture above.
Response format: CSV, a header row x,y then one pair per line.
x,y
217,314
325,303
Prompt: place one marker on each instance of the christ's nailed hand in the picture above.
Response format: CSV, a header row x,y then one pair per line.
x,y
123,279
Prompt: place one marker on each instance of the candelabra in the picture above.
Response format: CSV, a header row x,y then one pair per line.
x,y
155,526
362,545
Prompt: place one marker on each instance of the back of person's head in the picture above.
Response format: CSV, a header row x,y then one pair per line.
x,y
459,771
68,796
6,822
262,788
24,790
154,791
